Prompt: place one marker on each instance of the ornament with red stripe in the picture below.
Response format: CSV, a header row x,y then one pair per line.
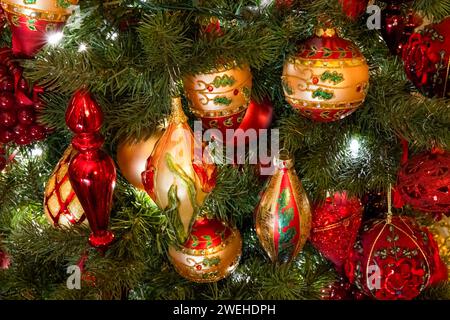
x,y
211,252
283,216
61,205
32,21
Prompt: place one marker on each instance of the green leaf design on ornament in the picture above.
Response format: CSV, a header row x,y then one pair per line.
x,y
15,20
31,24
327,52
192,192
223,81
323,94
334,77
287,89
208,240
211,262
222,101
195,241
171,212
285,217
29,1
246,92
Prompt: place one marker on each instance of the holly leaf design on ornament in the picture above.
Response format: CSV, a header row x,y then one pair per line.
x,y
327,52
222,101
223,81
31,24
173,217
211,262
208,240
194,240
29,1
322,94
15,20
334,77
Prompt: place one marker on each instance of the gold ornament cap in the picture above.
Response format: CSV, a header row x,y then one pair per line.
x,y
177,115
283,160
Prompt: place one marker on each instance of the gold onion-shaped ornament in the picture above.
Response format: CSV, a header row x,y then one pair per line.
x,y
61,205
327,79
283,215
441,234
220,96
174,178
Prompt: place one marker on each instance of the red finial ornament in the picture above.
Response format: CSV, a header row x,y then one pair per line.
x,y
91,172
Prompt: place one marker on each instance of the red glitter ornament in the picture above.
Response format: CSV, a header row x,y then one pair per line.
x,y
426,58
394,259
335,225
424,182
92,172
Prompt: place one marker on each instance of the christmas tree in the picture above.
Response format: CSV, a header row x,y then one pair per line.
x,y
103,194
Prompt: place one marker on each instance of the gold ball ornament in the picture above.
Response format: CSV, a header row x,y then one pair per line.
x,y
441,234
221,96
132,157
211,253
61,205
327,79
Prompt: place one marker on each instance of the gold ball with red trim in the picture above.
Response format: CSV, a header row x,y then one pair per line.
x,y
211,253
327,79
221,96
61,205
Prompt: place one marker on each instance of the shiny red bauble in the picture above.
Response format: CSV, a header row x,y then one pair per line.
x,y
424,182
335,225
426,58
394,259
354,8
92,172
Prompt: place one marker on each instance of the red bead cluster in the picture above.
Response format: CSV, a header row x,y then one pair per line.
x,y
19,105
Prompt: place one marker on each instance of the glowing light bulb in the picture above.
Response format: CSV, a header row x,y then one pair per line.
x,y
354,147
36,151
82,47
55,38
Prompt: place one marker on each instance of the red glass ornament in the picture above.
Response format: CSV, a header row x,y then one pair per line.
x,y
258,116
6,84
354,8
392,26
394,259
26,116
335,225
37,132
426,57
424,182
6,100
6,135
8,118
4,260
92,172
22,134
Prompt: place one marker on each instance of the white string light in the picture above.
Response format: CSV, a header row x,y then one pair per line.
x,y
36,151
82,47
55,38
355,147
